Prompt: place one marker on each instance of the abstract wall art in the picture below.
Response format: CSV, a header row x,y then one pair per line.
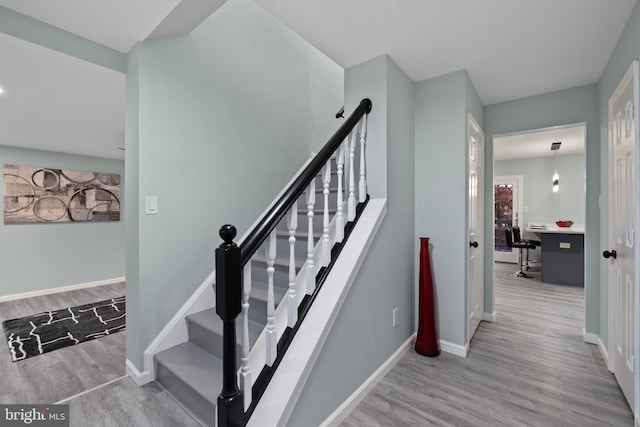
x,y
38,194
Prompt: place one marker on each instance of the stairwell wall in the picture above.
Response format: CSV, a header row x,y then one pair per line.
x,y
363,337
218,121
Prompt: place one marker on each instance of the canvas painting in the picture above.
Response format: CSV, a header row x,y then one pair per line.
x,y
37,194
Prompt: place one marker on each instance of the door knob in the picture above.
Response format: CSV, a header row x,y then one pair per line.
x,y
611,254
473,244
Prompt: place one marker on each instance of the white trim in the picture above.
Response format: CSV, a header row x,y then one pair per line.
x,y
82,393
589,338
490,317
356,397
637,420
455,349
61,289
140,378
176,330
603,351
279,400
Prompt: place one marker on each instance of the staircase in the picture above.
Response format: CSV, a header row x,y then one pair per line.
x,y
280,282
192,371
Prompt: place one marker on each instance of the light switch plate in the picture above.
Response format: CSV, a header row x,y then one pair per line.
x,y
151,205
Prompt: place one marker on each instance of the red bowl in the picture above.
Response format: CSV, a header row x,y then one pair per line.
x,y
564,223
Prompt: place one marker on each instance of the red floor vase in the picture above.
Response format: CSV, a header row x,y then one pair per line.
x,y
427,339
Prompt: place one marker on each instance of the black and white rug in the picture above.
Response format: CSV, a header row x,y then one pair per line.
x,y
40,333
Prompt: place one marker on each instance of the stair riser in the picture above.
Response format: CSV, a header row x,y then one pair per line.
x,y
210,341
282,246
280,275
187,396
258,310
303,222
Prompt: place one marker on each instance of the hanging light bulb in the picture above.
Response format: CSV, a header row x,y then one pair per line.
x,y
555,181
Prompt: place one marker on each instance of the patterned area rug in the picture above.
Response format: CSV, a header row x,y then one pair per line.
x,y
40,333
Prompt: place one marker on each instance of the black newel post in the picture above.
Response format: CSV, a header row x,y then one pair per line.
x,y
228,306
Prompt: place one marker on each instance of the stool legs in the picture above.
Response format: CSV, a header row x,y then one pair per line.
x,y
520,272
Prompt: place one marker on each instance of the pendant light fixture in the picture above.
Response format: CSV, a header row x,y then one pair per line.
x,y
555,181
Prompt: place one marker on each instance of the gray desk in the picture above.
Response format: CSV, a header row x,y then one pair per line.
x,y
562,254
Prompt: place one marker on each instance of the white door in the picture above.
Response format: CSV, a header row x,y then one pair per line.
x,y
508,200
623,210
475,190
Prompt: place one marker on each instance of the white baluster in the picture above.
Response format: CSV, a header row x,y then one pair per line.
x,y
351,200
311,201
326,241
272,341
292,224
339,202
362,190
244,375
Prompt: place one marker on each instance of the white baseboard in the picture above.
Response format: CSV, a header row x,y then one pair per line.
x,y
176,332
603,351
490,317
455,349
140,378
356,397
61,289
589,337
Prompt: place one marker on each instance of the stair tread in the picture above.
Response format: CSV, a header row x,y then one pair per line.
x,y
300,235
259,291
208,319
201,370
278,260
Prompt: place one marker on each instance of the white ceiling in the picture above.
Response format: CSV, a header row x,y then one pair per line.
x,y
511,49
537,143
118,24
59,103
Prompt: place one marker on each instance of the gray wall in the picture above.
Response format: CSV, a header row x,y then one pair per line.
x,y
363,336
543,205
626,51
37,257
217,122
576,105
441,107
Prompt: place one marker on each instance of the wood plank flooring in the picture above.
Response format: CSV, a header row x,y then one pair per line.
x,y
123,403
529,368
62,373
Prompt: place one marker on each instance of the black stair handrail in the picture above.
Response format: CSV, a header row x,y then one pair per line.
x,y
261,231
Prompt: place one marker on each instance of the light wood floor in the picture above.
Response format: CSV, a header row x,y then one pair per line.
x,y
529,368
62,373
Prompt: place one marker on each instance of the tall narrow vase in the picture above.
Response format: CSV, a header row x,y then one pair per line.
x,y
427,339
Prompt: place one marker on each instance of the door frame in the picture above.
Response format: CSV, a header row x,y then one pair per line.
x,y
520,205
587,337
632,73
471,121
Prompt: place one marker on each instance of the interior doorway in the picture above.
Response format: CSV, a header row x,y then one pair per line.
x,y
552,188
